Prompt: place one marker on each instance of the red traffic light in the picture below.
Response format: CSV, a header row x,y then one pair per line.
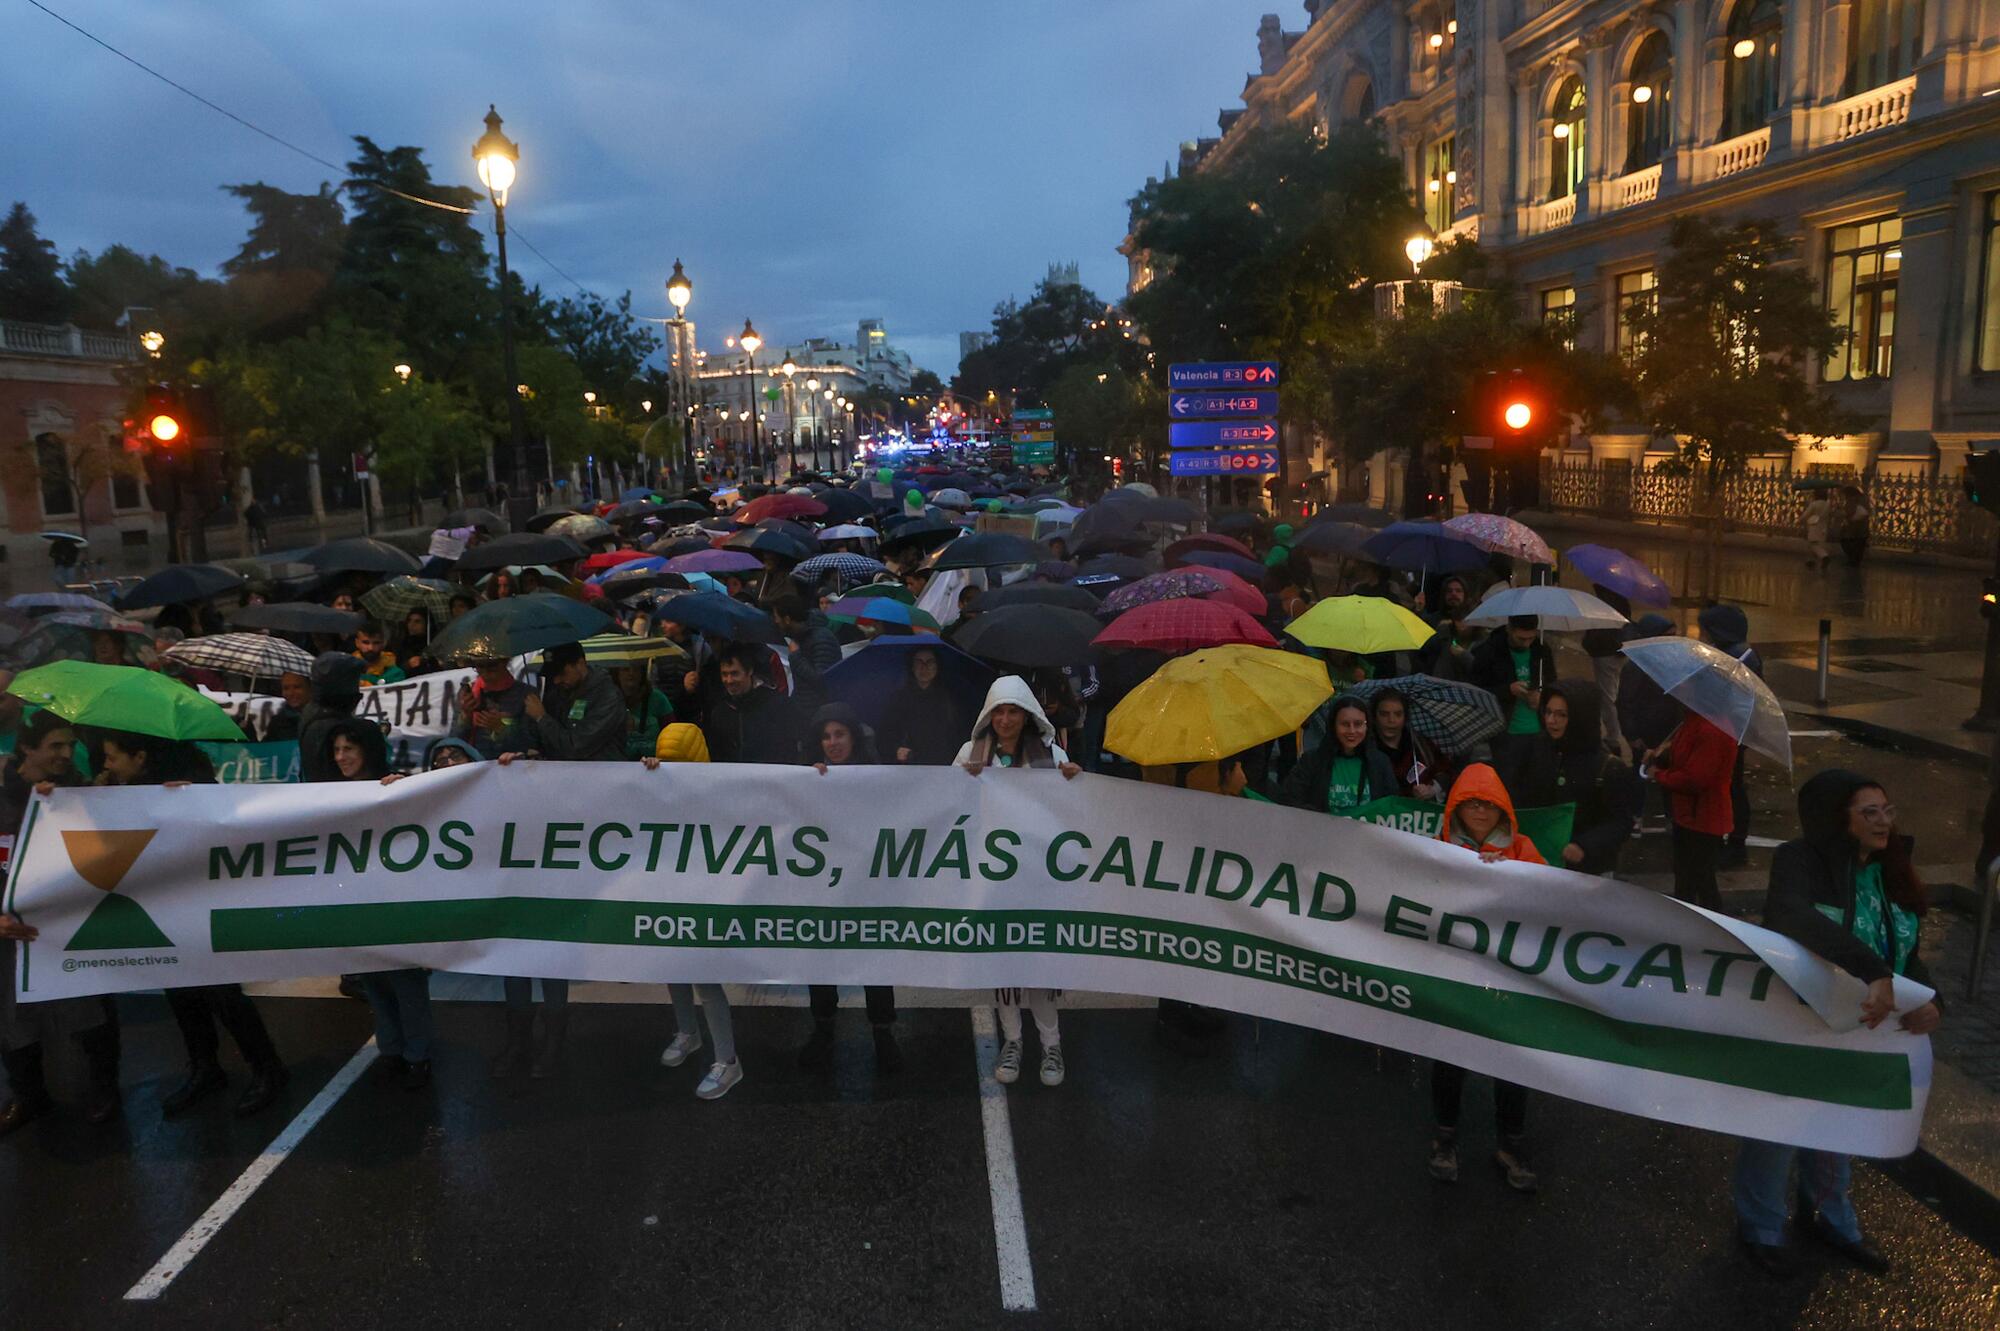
x,y
1518,415
164,416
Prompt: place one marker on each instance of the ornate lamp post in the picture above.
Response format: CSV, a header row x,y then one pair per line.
x,y
788,369
752,340
679,292
497,158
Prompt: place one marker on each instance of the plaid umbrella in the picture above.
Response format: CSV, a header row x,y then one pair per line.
x,y
399,596
1452,715
258,655
1181,583
1184,625
1501,536
850,568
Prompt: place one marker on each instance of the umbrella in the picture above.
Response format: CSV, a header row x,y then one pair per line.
x,y
719,615
1215,703
69,536
881,610
359,554
1150,507
1106,528
848,531
580,527
1184,625
951,497
44,602
475,517
14,626
1718,687
987,550
1560,609
543,520
67,635
621,583
632,492
1362,515
609,559
846,506
515,626
1501,536
399,596
258,655
633,511
1128,568
895,591
1037,593
868,680
521,547
759,541
1346,539
1619,572
181,582
849,568
1364,625
1249,570
609,649
683,510
714,561
296,617
1205,540
143,702
924,533
1453,715
1423,547
780,506
1030,636
1181,583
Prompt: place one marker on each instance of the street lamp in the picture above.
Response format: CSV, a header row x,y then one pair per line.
x,y
752,340
788,369
497,159
403,372
1418,249
152,340
679,292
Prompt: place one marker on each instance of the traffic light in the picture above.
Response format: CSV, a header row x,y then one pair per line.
x,y
164,417
1516,408
1981,479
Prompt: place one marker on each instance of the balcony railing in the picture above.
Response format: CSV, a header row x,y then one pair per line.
x,y
1742,152
1636,187
1878,108
1555,213
65,341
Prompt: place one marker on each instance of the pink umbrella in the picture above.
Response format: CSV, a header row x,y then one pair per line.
x,y
714,561
1501,536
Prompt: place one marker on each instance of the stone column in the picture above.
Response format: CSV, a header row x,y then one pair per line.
x,y
1830,70
1925,302
1529,139
1795,78
1599,157
314,491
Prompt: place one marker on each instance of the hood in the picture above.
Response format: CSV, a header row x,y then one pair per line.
x,y
374,746
1479,781
336,678
1724,626
1823,801
1014,689
1586,711
1649,626
681,742
864,738
447,745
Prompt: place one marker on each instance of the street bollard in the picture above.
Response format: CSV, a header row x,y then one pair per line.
x,y
1985,927
1825,657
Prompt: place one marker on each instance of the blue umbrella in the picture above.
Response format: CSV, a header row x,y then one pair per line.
x,y
1621,573
637,492
1422,547
867,681
722,616
650,564
1249,570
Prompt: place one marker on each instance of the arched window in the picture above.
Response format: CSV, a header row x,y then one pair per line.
x,y
1750,92
1440,201
1364,105
1883,37
1566,146
1650,119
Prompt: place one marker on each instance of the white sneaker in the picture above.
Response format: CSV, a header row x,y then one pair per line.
x,y
1052,1065
1007,1068
678,1049
720,1078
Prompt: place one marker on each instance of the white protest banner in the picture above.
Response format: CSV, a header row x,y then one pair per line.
x,y
1590,989
416,711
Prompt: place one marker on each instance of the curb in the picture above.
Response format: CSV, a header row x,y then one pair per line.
x,y
1898,739
1958,1200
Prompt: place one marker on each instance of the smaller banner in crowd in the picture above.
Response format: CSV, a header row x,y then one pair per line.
x,y
1550,829
256,763
415,711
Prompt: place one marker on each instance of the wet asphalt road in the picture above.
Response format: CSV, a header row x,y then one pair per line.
x,y
1276,1181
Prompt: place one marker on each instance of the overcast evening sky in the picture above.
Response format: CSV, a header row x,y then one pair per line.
x,y
812,164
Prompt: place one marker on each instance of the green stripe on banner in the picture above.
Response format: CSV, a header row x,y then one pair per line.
x,y
1550,828
1853,1078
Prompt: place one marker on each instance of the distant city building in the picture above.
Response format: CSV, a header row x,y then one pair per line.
x,y
1565,136
1064,275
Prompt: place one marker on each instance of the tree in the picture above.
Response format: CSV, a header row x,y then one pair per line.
x,y
1033,344
1099,409
1723,351
607,343
31,281
286,263
106,284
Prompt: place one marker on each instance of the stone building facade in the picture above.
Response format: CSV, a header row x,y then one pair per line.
x,y
1564,135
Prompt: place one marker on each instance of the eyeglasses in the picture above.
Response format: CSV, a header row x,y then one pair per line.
x,y
1877,813
1479,804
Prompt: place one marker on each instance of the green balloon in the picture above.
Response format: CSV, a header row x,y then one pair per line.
x,y
886,476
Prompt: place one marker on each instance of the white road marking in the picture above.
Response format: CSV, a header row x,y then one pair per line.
x,y
1816,734
1763,842
154,1283
1010,1226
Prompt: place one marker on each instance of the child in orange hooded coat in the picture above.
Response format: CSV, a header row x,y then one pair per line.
x,y
1479,815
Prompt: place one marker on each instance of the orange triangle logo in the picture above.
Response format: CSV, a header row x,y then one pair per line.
x,y
104,858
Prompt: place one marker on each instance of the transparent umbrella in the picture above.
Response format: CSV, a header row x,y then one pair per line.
x,y
1718,687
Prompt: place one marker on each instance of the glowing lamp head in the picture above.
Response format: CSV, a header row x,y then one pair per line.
x,y
152,340
789,368
1643,93
1517,415
1418,249
749,338
403,371
1437,40
646,405
496,157
1744,48
1562,131
163,428
679,290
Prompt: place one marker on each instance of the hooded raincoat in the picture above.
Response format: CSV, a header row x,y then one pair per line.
x,y
1038,747
1576,770
1481,782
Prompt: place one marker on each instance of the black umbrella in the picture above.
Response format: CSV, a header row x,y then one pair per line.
x,y
619,586
181,582
636,510
683,545
1334,538
988,550
924,533
521,547
1108,528
515,625
1037,593
1030,636
541,520
359,554
846,506
1151,508
719,615
1128,567
296,617
1361,514
683,510
798,531
475,517
777,543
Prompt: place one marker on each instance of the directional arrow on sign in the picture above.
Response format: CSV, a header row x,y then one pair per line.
x,y
1221,434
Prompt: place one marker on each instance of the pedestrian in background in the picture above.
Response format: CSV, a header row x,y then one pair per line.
x,y
1693,767
1727,629
1606,665
1819,523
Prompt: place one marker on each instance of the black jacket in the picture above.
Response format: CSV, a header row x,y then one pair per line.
x,y
1493,668
1542,772
336,692
1818,870
585,726
1306,785
816,642
928,722
760,727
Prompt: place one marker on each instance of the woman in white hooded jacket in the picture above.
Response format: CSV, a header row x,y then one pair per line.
x,y
1013,731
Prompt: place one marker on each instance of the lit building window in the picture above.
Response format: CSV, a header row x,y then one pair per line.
x,y
1989,289
1637,290
1863,263
1750,91
1883,38
1559,313
1566,146
1440,177
1649,120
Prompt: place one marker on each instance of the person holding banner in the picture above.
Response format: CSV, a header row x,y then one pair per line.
x,y
1846,890
1345,771
1567,764
491,710
1479,816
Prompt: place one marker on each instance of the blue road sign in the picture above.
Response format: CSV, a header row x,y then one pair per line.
x,y
1191,406
1224,374
1229,462
1222,434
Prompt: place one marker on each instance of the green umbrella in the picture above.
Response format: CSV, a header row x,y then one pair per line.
x,y
516,625
143,702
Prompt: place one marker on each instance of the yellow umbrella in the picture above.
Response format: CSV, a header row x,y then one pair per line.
x,y
1360,624
1214,703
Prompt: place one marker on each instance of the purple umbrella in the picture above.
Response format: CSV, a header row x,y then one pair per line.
x,y
1249,570
1173,584
714,561
1621,573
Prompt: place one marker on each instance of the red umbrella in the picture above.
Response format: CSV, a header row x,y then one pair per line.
x,y
779,506
1206,540
597,563
1184,625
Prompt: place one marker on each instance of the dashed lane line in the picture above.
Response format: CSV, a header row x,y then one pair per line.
x,y
1010,1226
